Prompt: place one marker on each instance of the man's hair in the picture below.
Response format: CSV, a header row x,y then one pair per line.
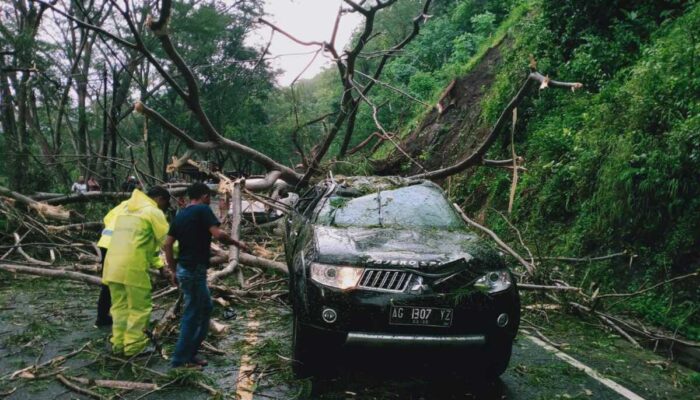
x,y
197,190
158,191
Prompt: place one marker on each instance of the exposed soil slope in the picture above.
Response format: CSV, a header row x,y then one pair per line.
x,y
454,134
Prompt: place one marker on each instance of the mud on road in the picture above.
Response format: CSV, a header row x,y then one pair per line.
x,y
41,319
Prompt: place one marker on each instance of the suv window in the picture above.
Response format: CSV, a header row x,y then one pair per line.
x,y
417,206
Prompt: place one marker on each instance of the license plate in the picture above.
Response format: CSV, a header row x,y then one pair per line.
x,y
422,316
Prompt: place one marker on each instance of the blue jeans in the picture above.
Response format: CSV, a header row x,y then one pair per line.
x,y
197,310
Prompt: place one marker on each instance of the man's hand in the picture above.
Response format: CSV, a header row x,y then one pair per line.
x,y
170,274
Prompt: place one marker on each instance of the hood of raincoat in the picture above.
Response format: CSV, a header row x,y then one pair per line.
x,y
138,233
139,200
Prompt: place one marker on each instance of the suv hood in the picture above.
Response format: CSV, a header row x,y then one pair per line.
x,y
400,248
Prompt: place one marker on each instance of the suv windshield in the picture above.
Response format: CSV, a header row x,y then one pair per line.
x,y
417,206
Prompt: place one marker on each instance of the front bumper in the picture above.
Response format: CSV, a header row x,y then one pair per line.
x,y
378,339
363,317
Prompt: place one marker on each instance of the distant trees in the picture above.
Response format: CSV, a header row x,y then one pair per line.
x,y
70,72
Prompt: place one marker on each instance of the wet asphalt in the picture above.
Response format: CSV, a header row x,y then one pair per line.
x,y
30,305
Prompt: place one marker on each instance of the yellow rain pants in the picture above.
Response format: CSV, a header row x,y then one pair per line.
x,y
131,312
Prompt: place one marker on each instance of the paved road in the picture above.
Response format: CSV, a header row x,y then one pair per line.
x,y
534,374
43,318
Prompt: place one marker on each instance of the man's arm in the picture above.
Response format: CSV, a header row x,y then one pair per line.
x,y
221,236
170,259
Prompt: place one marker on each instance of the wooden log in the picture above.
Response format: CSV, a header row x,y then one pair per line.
x,y
123,385
43,209
234,252
77,388
252,261
52,273
86,226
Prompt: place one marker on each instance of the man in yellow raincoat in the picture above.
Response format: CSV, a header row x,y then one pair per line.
x,y
137,235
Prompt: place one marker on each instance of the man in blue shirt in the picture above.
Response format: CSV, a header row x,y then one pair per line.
x,y
193,228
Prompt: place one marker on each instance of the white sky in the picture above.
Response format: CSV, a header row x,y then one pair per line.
x,y
307,20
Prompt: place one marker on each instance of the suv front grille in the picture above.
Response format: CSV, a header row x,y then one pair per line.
x,y
385,280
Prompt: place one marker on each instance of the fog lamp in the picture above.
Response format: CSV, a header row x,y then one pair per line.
x,y
502,320
329,315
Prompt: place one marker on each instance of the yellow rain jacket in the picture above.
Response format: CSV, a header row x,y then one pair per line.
x,y
109,220
137,235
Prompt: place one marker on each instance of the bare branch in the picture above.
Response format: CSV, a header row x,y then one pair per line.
x,y
179,133
529,267
290,36
666,282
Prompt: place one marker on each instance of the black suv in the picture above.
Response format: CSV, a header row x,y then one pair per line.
x,y
385,261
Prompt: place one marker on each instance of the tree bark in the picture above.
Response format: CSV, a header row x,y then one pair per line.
x,y
52,273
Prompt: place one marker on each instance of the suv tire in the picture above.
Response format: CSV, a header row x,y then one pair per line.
x,y
305,362
499,355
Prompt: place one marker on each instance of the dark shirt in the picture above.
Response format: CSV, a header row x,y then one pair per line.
x,y
191,229
129,186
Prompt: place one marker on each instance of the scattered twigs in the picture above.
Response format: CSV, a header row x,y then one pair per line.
x,y
585,259
54,361
272,203
529,267
520,237
202,385
169,317
209,347
607,321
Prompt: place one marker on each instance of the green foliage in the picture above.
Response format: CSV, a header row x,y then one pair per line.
x,y
188,377
615,167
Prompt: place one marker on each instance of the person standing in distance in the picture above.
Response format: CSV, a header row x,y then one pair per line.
x,y
193,229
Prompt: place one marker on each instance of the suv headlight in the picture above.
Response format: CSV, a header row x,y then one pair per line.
x,y
336,276
494,281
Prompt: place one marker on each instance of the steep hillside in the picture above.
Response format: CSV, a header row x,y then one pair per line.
x,y
609,169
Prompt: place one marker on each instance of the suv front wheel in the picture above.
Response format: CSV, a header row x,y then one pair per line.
x,y
305,360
